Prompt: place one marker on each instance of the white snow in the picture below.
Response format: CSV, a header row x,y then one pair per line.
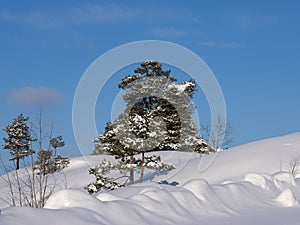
x,y
257,179
287,198
283,178
183,87
248,184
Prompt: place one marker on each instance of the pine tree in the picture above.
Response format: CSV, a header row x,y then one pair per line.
x,y
18,140
57,142
60,162
157,117
157,122
44,161
50,162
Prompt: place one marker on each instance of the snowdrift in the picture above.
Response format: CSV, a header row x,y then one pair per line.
x,y
248,184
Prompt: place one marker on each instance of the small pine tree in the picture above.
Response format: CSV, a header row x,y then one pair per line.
x,y
56,143
60,162
48,161
101,172
18,140
44,161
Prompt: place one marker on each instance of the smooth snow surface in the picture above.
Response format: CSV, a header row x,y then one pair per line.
x,y
249,184
287,198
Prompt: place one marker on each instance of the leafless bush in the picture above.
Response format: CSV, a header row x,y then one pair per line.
x,y
218,136
294,166
29,187
34,184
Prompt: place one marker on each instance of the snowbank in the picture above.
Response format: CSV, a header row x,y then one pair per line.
x,y
249,184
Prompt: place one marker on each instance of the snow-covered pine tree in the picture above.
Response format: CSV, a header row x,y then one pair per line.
x,y
158,116
101,172
18,140
50,162
57,142
43,162
59,162
47,147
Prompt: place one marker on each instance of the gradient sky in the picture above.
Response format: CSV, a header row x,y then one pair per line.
x,y
251,46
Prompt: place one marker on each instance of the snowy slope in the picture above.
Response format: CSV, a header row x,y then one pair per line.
x,y
248,184
265,156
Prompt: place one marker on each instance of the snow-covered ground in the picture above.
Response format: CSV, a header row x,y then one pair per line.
x,y
248,184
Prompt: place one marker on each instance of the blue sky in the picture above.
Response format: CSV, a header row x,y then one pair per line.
x,y
251,46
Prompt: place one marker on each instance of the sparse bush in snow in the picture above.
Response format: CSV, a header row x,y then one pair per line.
x,y
123,166
103,181
154,162
294,166
32,186
219,135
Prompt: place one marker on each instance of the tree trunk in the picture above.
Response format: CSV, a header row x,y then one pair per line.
x,y
142,168
131,178
33,184
143,158
19,186
41,186
17,163
148,105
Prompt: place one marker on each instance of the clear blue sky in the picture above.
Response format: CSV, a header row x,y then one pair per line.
x,y
251,46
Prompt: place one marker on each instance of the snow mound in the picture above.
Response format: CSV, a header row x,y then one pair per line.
x,y
280,180
261,157
199,188
257,180
283,179
241,185
107,197
185,204
228,182
287,198
71,198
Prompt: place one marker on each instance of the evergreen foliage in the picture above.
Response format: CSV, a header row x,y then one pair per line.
x,y
18,140
153,122
158,117
48,161
31,186
101,172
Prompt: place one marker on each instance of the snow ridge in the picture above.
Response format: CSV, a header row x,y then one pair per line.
x,y
245,185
